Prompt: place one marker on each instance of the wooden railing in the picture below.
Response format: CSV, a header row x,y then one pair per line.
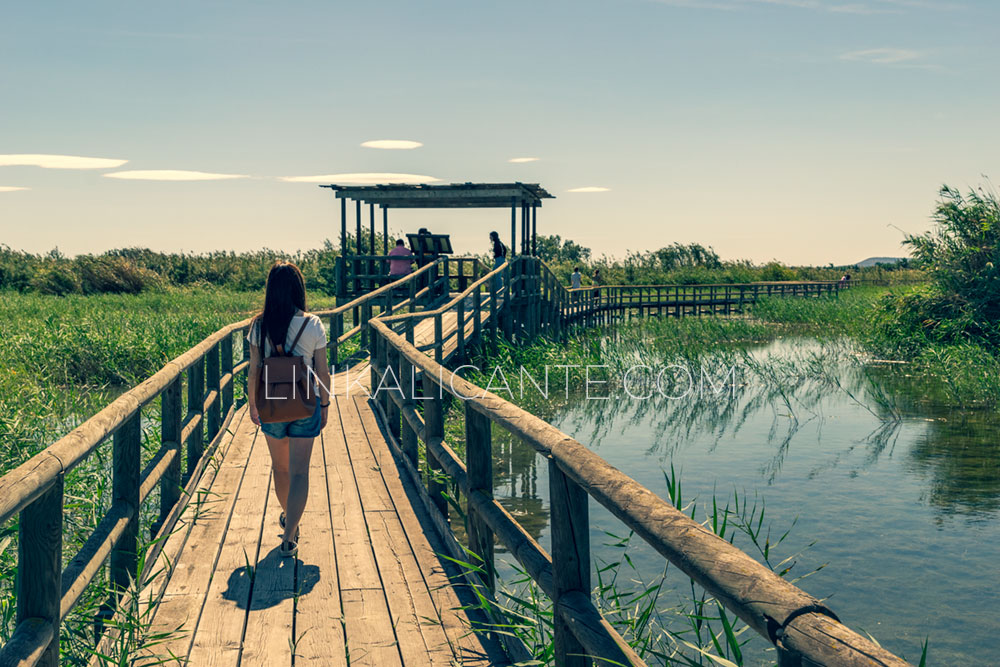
x,y
46,592
425,286
357,275
802,628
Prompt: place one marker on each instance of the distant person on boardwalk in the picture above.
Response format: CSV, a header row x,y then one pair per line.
x,y
499,257
285,327
576,282
596,279
400,267
422,258
846,278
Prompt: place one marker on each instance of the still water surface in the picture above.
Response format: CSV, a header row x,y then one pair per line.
x,y
899,497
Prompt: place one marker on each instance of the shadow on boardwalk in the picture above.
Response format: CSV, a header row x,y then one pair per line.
x,y
240,585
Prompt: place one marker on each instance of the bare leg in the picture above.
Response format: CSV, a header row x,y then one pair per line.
x,y
279,468
299,453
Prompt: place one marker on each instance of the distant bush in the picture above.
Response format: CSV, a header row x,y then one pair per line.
x,y
137,270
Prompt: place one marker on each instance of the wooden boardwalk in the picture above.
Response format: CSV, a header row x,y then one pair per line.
x,y
368,587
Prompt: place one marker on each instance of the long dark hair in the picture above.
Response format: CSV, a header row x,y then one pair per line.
x,y
285,293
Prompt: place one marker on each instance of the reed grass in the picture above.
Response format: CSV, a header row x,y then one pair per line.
x,y
65,358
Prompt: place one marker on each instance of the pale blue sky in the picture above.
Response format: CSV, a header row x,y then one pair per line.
x,y
791,129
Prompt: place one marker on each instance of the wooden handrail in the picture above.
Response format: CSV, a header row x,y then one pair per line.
x,y
799,625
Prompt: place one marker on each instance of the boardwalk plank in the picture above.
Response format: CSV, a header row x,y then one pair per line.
x,y
440,579
368,626
421,639
268,638
219,636
369,642
205,520
319,619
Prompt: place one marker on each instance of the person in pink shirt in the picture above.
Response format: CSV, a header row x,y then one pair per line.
x,y
400,267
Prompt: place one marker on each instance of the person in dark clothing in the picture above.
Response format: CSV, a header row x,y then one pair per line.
x,y
499,257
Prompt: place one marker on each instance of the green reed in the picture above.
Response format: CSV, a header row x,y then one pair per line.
x,y
65,358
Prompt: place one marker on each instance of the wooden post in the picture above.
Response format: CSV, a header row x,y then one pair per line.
x,y
357,247
125,491
434,428
366,314
534,229
494,294
479,462
196,402
408,437
392,357
385,229
513,227
477,317
438,340
212,367
570,520
170,436
460,329
245,356
343,230
226,352
39,564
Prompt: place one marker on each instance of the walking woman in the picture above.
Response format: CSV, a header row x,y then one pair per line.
x,y
287,328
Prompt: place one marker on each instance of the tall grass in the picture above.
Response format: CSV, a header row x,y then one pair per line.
x,y
63,359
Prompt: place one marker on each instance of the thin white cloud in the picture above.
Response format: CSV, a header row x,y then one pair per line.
x,y
590,188
171,175
837,6
518,160
882,56
363,178
12,188
392,144
59,161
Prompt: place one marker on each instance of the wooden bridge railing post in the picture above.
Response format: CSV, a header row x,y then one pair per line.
x,y
39,565
390,406
479,462
366,315
494,295
195,405
570,521
460,329
408,436
226,351
438,339
477,314
127,447
170,436
212,372
434,428
244,357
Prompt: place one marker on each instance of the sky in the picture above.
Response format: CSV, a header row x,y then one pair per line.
x,y
803,131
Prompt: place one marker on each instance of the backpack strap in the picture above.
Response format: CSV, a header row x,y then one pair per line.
x,y
295,341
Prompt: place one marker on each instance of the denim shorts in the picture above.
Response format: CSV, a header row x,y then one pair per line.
x,y
307,427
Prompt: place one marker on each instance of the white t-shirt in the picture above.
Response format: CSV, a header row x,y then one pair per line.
x,y
313,337
575,280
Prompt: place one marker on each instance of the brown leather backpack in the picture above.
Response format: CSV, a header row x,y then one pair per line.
x,y
284,389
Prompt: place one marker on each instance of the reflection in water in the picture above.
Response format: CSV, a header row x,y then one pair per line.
x,y
901,494
515,475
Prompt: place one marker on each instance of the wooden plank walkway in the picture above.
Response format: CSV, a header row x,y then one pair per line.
x,y
368,586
